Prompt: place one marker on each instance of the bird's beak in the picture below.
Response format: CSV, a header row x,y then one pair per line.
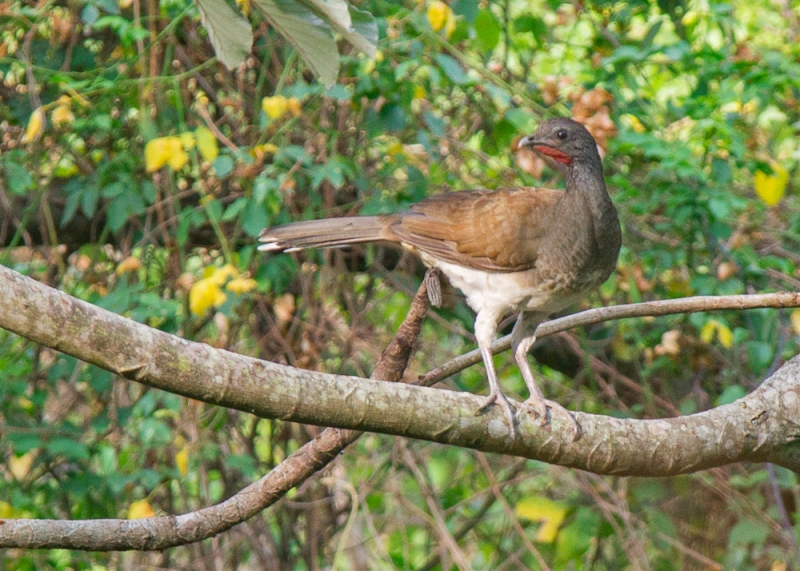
x,y
528,141
544,147
531,141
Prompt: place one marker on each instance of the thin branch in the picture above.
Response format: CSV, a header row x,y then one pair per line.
x,y
614,312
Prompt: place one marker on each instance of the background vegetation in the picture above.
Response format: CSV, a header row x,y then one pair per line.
x,y
137,172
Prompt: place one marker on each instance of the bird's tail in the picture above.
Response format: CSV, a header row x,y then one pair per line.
x,y
326,233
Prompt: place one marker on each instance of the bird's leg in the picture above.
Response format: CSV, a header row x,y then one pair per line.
x,y
434,286
485,327
522,339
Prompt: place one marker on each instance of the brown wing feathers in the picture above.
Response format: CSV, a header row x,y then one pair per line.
x,y
476,228
469,228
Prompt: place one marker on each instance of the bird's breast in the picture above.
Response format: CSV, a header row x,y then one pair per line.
x,y
502,293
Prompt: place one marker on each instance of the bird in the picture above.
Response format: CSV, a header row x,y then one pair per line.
x,y
525,249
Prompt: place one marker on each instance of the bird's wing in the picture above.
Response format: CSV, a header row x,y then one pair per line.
x,y
495,231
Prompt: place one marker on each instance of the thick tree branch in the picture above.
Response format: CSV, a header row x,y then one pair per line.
x,y
160,533
760,427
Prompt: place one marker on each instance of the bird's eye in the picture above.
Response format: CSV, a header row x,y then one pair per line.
x,y
562,134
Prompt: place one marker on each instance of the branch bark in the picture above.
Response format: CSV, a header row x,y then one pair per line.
x,y
158,533
759,427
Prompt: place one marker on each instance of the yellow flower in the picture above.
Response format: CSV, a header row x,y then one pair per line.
x,y
440,15
437,15
266,149
275,106
164,151
205,294
141,509
770,188
241,285
545,510
223,274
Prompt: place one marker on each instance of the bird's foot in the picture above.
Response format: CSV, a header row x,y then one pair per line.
x,y
537,406
499,398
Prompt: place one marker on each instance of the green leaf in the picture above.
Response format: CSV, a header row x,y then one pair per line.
x,y
335,11
228,30
17,177
72,449
308,33
651,34
356,26
365,35
533,25
255,219
759,355
730,394
452,69
487,29
223,165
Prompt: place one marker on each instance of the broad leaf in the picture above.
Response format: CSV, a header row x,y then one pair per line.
x,y
228,30
365,36
335,11
308,33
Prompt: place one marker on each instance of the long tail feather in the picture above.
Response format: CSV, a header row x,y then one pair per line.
x,y
326,233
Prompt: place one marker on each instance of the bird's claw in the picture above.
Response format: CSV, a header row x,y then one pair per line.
x,y
538,408
500,398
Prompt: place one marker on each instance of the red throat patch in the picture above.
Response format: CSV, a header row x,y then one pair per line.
x,y
555,154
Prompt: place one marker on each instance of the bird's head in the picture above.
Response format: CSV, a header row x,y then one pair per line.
x,y
564,140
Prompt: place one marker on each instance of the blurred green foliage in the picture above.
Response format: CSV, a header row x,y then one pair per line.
x,y
688,100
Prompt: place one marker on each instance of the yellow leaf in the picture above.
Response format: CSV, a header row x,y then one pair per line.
x,y
770,188
725,336
716,328
275,106
545,510
162,151
438,13
21,466
206,144
794,317
35,126
205,294
419,92
141,509
241,285
6,510
182,460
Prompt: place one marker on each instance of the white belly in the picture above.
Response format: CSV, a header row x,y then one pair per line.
x,y
500,293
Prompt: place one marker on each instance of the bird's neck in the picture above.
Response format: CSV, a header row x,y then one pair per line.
x,y
586,191
586,178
